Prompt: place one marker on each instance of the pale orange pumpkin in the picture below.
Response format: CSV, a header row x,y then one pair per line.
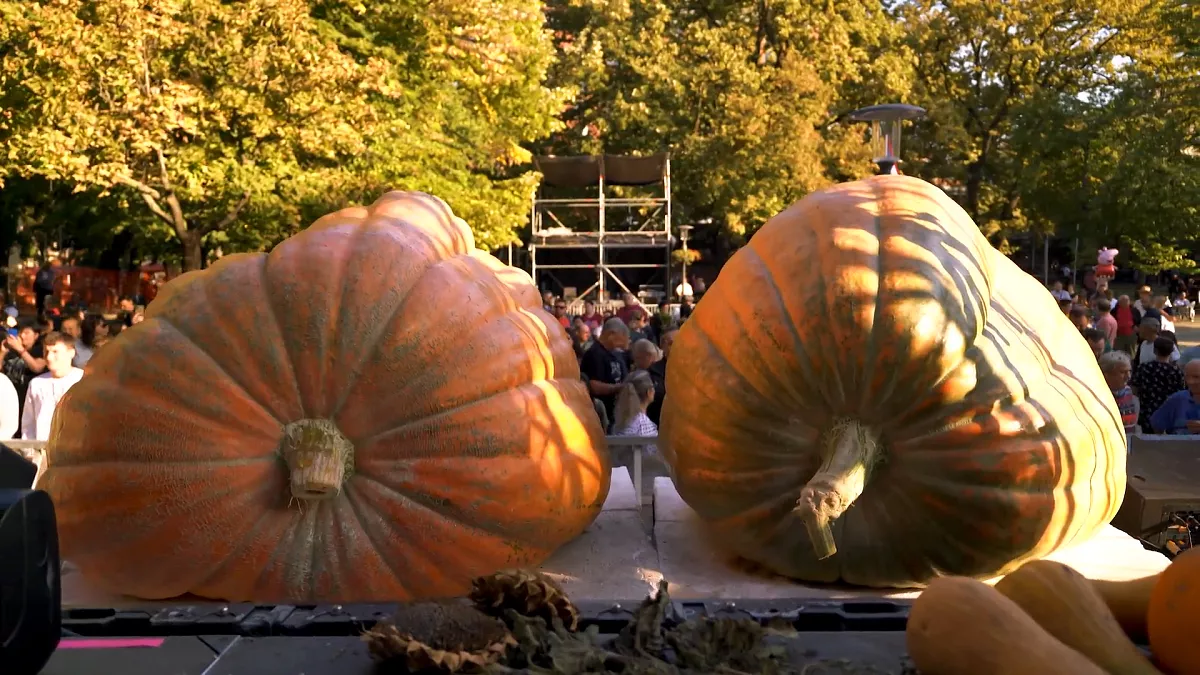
x,y
373,411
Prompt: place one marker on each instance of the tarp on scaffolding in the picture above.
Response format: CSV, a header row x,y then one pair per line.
x,y
585,170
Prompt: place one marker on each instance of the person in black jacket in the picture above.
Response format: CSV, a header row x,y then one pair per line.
x,y
658,375
604,364
43,286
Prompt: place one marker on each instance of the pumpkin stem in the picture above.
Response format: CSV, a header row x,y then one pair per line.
x,y
851,451
319,458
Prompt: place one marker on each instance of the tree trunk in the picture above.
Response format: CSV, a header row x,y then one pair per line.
x,y
191,238
974,183
193,250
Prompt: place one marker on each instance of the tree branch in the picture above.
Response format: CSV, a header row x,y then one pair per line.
x,y
178,222
149,195
836,119
225,222
146,89
1005,102
162,170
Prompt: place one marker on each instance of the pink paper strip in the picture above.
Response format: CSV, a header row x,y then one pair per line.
x,y
103,643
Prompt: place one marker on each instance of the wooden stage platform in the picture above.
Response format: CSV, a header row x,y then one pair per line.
x,y
617,560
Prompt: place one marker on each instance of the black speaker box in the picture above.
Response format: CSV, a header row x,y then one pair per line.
x,y
30,582
16,472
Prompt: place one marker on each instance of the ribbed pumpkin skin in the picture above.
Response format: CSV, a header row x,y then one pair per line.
x,y
880,301
477,447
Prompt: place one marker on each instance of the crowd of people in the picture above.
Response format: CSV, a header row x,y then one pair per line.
x,y
42,358
623,352
1156,385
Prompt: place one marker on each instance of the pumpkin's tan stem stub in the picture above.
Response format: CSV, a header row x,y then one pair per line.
x,y
318,457
851,451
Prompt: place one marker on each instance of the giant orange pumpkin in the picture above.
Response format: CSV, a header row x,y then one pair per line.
x,y
374,410
871,393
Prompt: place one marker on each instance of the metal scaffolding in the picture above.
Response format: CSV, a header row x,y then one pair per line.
x,y
586,223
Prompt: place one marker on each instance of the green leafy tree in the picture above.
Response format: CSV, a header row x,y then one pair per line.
x,y
987,67
1152,193
748,97
1119,166
234,123
198,106
475,92
1154,257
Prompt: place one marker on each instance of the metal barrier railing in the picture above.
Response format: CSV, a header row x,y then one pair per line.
x,y
638,444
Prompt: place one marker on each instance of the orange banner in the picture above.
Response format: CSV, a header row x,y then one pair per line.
x,y
98,289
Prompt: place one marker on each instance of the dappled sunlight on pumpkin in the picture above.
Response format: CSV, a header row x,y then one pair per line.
x,y
852,282
771,351
533,453
852,355
519,283
563,437
1017,418
521,290
999,443
545,364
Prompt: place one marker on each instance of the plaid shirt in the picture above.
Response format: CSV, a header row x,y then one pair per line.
x,y
641,425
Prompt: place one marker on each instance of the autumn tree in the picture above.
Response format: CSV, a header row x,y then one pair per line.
x,y
1149,188
750,98
198,106
1005,83
234,123
474,76
1116,164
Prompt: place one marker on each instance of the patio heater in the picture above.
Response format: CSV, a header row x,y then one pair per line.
x,y
684,231
885,122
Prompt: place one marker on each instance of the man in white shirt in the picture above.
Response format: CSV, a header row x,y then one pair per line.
x,y
1148,329
47,389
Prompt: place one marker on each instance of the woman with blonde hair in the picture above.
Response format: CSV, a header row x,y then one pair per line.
x,y
636,394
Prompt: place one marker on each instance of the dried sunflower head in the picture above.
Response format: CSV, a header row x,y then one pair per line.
x,y
438,637
526,592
